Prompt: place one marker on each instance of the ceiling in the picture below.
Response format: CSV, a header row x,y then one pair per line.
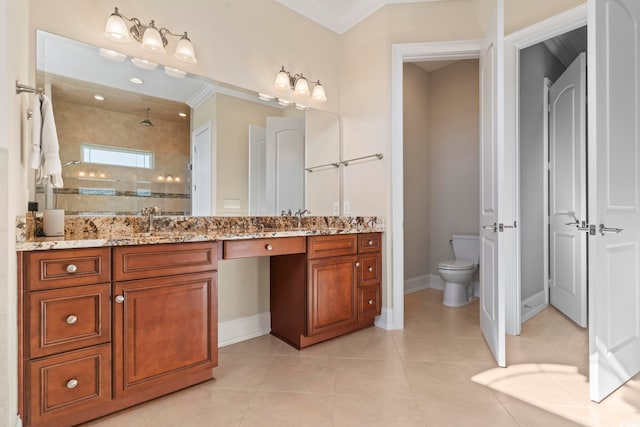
x,y
340,15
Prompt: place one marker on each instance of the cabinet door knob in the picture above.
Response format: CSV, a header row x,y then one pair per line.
x,y
72,383
269,247
72,268
119,299
370,242
370,268
370,302
357,264
72,319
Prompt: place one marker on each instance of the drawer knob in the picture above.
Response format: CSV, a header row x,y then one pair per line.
x,y
72,319
72,268
357,263
72,383
269,247
370,268
370,302
119,299
370,242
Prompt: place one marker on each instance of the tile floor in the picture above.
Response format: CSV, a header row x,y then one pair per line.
x,y
438,371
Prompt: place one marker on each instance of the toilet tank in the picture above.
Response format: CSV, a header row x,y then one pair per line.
x,y
466,247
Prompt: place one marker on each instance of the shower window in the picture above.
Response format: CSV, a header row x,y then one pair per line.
x,y
116,156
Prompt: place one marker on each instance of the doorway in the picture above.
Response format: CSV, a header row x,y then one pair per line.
x,y
441,165
552,176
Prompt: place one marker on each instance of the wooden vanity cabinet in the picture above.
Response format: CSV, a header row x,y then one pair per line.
x,y
331,290
102,329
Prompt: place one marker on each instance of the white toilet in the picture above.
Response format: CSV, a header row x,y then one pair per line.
x,y
458,273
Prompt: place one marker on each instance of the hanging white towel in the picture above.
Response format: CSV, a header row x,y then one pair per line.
x,y
45,154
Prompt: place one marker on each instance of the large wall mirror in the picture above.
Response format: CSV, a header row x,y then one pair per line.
x,y
134,134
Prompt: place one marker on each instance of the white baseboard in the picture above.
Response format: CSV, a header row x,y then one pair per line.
x,y
416,284
533,305
385,320
237,330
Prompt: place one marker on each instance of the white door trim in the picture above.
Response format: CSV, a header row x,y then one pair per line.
x,y
561,23
401,53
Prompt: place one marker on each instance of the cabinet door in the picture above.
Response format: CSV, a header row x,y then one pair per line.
x,y
164,328
331,297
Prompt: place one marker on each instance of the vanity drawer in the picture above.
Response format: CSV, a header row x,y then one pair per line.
x,y
369,242
66,268
69,383
264,247
330,246
368,302
68,319
145,261
370,268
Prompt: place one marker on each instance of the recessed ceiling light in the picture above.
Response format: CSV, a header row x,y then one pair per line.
x,y
136,80
98,97
181,114
143,64
111,55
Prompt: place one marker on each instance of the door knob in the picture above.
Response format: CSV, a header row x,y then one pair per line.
x,y
606,230
493,227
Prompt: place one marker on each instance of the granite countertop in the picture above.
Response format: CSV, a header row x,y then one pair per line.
x,y
87,232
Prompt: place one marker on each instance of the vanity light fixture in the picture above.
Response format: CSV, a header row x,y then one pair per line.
x,y
300,85
152,39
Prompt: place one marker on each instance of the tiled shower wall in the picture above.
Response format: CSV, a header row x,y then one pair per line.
x,y
101,189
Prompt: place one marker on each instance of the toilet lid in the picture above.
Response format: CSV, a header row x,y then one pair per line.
x,y
455,265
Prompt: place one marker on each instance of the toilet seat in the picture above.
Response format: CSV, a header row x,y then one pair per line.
x,y
455,264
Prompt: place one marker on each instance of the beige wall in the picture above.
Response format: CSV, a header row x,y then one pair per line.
x,y
417,235
322,146
453,157
441,162
13,188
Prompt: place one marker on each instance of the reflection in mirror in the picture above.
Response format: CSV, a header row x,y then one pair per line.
x,y
133,136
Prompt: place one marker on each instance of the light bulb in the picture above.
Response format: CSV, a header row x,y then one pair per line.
x,y
116,29
185,51
152,40
302,86
282,80
318,94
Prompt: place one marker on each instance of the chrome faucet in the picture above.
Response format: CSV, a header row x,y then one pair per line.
x,y
151,212
300,213
286,213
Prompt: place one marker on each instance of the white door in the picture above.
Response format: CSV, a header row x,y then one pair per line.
x,y
568,192
257,170
614,193
285,164
492,300
201,193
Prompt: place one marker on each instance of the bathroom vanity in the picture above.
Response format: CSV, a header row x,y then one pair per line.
x,y
117,322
